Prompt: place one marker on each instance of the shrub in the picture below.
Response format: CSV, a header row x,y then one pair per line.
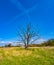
x,y
8,45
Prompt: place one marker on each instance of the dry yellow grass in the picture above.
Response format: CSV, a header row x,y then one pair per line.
x,y
32,56
13,52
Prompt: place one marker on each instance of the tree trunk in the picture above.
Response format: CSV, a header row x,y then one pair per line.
x,y
26,46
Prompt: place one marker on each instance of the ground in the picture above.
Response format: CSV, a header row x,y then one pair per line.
x,y
32,56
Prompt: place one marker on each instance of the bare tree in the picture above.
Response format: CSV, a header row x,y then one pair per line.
x,y
28,35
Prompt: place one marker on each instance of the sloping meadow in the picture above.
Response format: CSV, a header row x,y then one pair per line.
x,y
32,56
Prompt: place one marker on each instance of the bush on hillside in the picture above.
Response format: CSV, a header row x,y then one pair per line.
x,y
8,45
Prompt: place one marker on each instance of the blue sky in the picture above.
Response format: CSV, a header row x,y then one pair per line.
x,y
16,13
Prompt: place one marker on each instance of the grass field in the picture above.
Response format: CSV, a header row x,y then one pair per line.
x,y
32,56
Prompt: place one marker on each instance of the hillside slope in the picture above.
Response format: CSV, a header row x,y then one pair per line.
x,y
32,56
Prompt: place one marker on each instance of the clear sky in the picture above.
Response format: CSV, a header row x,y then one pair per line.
x,y
14,13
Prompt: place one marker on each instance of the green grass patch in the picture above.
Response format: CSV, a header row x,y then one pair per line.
x,y
32,56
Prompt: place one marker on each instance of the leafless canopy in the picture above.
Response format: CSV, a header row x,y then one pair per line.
x,y
28,35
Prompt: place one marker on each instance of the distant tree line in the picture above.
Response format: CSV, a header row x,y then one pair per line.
x,y
50,42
